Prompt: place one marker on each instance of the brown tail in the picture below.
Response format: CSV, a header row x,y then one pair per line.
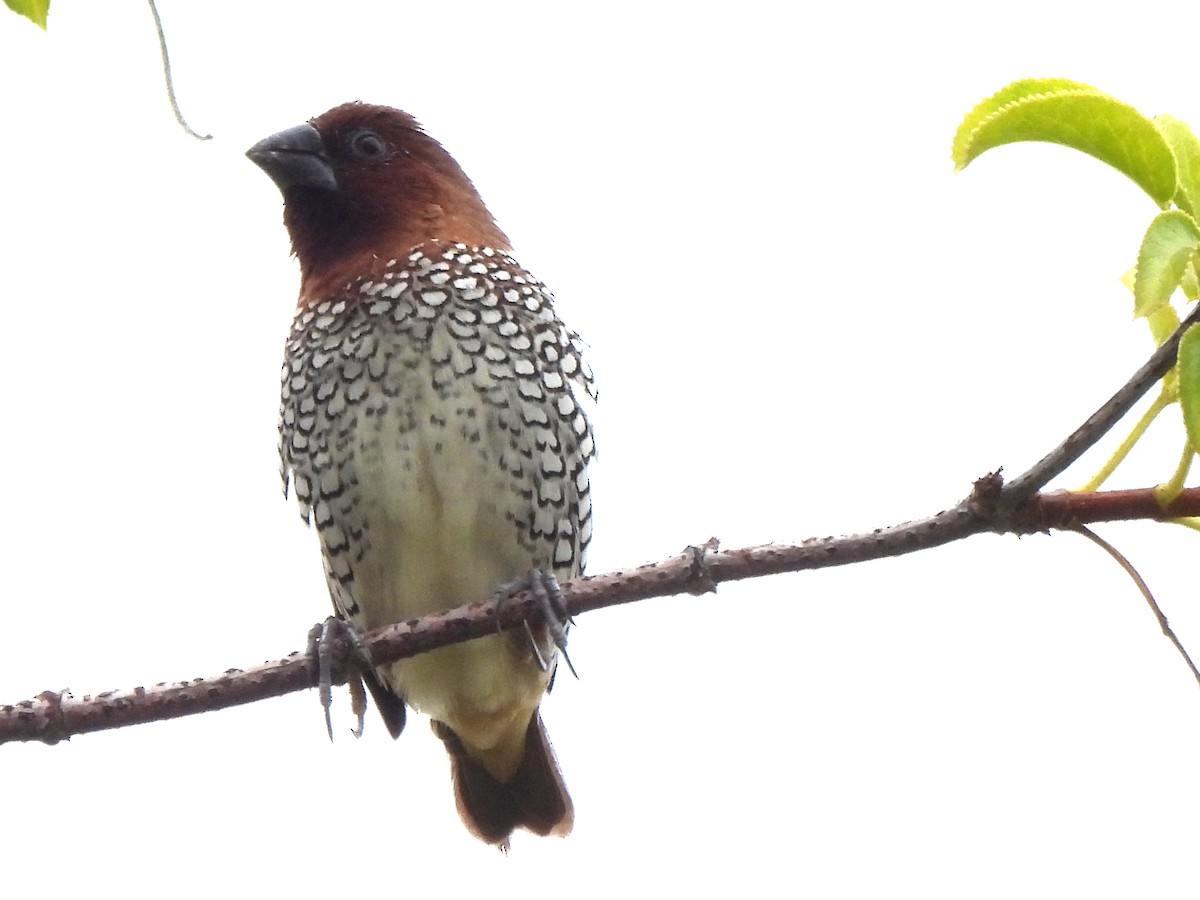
x,y
535,798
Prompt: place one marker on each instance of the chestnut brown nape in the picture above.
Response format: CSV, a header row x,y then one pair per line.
x,y
398,188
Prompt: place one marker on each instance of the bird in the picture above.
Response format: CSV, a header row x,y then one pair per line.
x,y
435,427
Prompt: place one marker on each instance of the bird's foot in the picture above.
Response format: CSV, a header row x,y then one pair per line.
x,y
323,649
548,596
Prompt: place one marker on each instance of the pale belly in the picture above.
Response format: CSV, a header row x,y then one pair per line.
x,y
438,512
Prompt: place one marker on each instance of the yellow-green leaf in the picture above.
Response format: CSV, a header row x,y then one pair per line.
x,y
1186,148
1075,115
1187,364
1166,250
1163,322
34,10
1190,282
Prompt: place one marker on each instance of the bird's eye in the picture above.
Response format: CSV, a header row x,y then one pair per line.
x,y
368,145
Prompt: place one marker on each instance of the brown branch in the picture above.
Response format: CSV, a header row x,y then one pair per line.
x,y
1057,460
992,506
53,716
1064,509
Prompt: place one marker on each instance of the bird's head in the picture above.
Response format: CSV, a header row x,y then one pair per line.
x,y
363,184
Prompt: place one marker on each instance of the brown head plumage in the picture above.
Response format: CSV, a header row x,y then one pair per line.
x,y
363,184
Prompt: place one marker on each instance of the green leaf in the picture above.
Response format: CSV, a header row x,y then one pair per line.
x,y
1166,250
34,10
1075,115
1185,146
1187,364
1163,322
1190,282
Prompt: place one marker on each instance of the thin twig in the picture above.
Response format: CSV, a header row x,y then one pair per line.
x,y
166,62
1057,460
1143,587
1161,402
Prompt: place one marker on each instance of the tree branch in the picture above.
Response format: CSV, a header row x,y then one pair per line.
x,y
1076,444
53,716
992,506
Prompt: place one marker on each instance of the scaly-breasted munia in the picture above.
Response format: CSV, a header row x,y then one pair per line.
x,y
433,429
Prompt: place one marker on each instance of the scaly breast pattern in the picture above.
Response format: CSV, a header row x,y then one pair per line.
x,y
433,428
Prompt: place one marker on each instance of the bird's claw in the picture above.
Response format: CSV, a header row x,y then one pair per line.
x,y
358,703
550,599
548,596
322,646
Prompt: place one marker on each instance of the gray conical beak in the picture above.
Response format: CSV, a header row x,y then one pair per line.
x,y
295,158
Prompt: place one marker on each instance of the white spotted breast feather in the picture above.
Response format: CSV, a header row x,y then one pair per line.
x,y
452,350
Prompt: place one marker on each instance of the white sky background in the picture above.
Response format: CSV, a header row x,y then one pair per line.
x,y
803,324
